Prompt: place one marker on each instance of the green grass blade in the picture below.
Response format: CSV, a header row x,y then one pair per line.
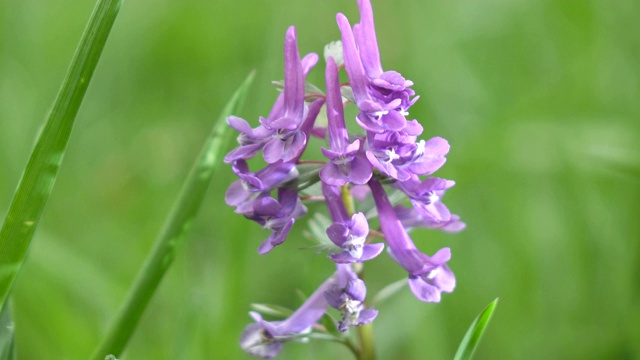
x,y
165,247
473,335
40,174
7,342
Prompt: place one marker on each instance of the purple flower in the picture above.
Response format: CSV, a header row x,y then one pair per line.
x,y
251,140
347,295
251,194
276,215
397,154
382,97
428,276
287,141
347,163
251,184
425,197
376,115
279,135
349,234
263,339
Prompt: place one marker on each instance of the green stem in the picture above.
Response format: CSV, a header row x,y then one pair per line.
x,y
367,349
345,194
353,347
170,238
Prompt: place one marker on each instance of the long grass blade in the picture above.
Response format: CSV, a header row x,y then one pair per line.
x,y
165,247
7,342
40,174
473,335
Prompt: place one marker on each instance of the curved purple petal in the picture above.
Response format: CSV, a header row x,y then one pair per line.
x,y
368,44
337,233
332,175
359,225
361,170
254,343
236,194
273,150
371,251
294,146
276,238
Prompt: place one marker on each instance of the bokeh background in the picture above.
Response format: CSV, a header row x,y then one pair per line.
x,y
540,100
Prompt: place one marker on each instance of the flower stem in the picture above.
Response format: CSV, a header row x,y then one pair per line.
x,y
345,194
367,349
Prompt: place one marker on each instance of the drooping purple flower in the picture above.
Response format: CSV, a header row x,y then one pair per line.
x,y
428,276
411,218
349,233
252,193
279,135
251,140
264,339
252,184
347,295
397,154
347,163
425,197
278,216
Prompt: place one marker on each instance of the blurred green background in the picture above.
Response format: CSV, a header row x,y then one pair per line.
x,y
540,100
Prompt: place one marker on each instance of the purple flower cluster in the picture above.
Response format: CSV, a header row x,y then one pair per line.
x,y
386,150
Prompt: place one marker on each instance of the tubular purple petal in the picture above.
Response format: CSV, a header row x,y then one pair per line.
x,y
338,136
335,205
293,77
427,276
368,44
357,77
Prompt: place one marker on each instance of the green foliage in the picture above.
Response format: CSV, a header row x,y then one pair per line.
x,y
7,337
41,172
273,310
388,291
472,337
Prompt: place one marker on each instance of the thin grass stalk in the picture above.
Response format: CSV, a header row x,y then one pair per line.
x,y
167,243
40,174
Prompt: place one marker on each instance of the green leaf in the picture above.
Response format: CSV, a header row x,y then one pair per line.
x,y
473,335
331,325
273,310
39,176
317,231
310,91
7,344
388,291
170,238
334,49
347,93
